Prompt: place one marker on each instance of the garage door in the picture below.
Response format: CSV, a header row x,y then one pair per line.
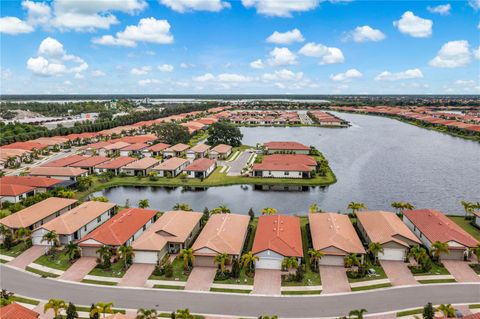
x,y
268,263
89,251
392,254
454,254
332,260
145,257
204,261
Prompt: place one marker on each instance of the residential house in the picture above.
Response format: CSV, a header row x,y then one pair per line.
x,y
17,311
334,235
64,173
285,166
122,229
141,167
198,151
76,223
387,229
277,237
223,234
41,184
114,165
112,149
133,149
15,193
155,150
201,168
66,161
90,162
177,150
220,152
432,225
171,167
286,148
173,231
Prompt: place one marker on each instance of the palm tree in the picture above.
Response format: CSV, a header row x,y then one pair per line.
x,y
222,209
289,263
56,305
222,260
418,253
147,314
357,314
439,248
23,235
313,208
52,240
102,308
447,310
269,211
375,248
396,206
406,206
143,203
182,206
104,254
352,260
314,257
469,208
72,251
248,261
188,258
126,253
183,314
355,207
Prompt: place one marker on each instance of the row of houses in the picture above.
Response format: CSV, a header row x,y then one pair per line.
x,y
327,119
269,117
13,189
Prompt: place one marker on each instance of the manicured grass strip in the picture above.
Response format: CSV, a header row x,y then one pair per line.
x,y
302,292
25,300
116,270
3,261
14,251
178,272
41,273
169,315
169,287
436,270
436,281
57,261
238,291
409,312
475,306
87,309
386,285
98,282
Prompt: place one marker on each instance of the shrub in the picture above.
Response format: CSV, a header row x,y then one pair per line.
x,y
223,276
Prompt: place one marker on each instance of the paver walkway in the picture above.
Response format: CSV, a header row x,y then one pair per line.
x,y
461,271
79,269
39,309
398,272
201,278
27,257
267,282
334,279
137,275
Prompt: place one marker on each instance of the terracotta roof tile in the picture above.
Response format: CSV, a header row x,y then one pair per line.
x,y
56,171
135,147
17,311
286,146
14,190
170,164
117,162
158,147
33,181
221,148
200,148
178,148
90,161
200,165
143,163
66,161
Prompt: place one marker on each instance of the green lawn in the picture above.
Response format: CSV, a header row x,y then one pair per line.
x,y
237,291
302,292
465,224
56,261
116,270
178,274
41,273
372,287
436,270
436,281
25,300
476,268
242,280
99,282
410,312
14,251
169,287
380,275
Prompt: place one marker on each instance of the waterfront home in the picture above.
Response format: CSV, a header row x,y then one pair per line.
x,y
277,237
141,167
197,151
15,193
220,152
174,230
155,150
476,216
114,165
334,235
89,163
17,311
63,173
112,149
122,229
223,234
171,167
177,150
41,184
200,168
38,214
285,166
387,229
431,225
286,148
133,149
75,223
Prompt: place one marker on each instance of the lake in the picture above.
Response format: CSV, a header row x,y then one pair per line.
x,y
377,161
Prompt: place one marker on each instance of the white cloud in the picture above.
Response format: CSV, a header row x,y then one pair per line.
x,y
328,55
39,13
465,82
141,70
195,5
223,78
204,78
286,37
442,9
148,30
282,56
98,73
257,64
6,74
184,65
52,59
13,26
475,4
346,76
150,52
365,34
79,76
282,75
408,74
414,26
148,82
452,54
476,53
165,68
280,8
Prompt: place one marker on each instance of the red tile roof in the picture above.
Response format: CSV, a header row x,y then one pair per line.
x,y
97,145
278,233
118,229
200,165
180,147
66,161
286,146
286,162
56,171
158,147
16,311
25,145
137,139
33,181
170,164
14,190
200,148
135,147
436,226
90,161
117,162
221,148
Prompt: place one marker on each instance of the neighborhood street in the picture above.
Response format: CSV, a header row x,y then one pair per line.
x,y
375,301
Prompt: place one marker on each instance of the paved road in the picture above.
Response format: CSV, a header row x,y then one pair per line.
x,y
238,164
383,300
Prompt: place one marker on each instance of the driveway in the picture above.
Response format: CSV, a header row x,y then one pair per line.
x,y
267,282
79,269
398,272
334,279
201,278
461,271
137,275
238,164
28,256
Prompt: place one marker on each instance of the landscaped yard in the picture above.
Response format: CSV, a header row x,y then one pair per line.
x,y
56,261
242,280
41,273
178,274
436,270
14,251
380,274
117,270
465,224
476,268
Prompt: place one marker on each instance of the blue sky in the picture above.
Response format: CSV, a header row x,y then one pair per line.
x,y
242,46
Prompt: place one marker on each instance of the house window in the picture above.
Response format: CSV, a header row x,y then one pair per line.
x,y
286,173
85,228
57,214
144,227
99,219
